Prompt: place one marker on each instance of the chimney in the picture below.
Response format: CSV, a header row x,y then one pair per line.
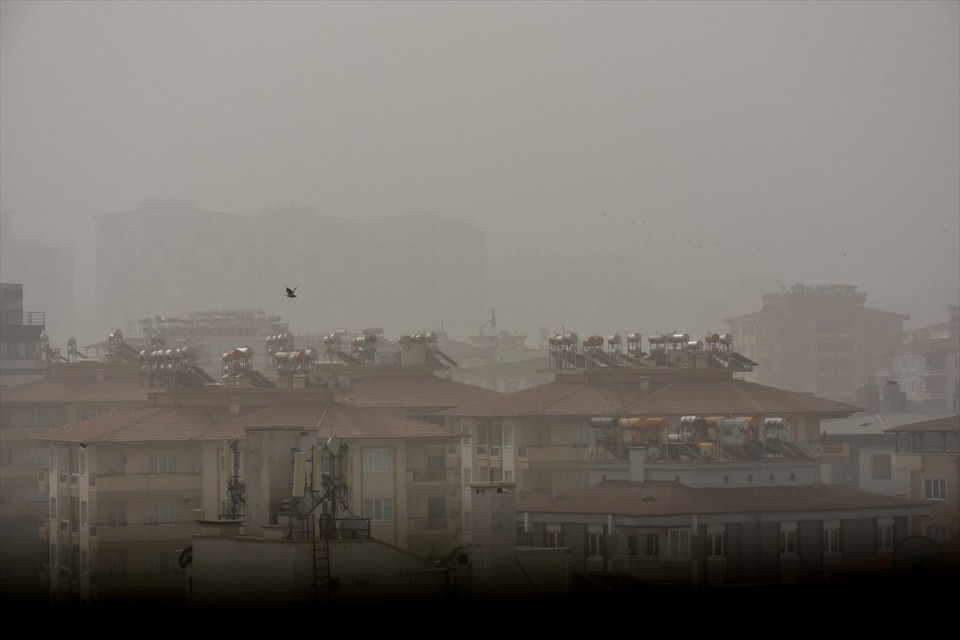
x,y
894,400
235,406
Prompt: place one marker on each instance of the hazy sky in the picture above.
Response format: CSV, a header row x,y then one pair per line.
x,y
707,142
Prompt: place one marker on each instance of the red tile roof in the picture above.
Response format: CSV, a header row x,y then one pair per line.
x,y
157,424
944,424
624,498
678,397
416,391
341,419
142,424
116,387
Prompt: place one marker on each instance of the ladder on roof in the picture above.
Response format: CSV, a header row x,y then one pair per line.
x,y
321,557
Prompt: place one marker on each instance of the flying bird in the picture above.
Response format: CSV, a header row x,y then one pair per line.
x,y
290,292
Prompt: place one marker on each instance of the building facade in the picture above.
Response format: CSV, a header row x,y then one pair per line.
x,y
817,339
418,269
927,364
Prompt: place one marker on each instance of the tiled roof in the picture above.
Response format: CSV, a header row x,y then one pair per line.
x,y
704,397
416,391
678,397
124,387
624,498
946,424
156,424
143,424
872,423
341,419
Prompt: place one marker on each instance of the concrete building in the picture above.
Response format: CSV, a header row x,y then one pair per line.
x,y
125,486
46,270
927,364
67,394
858,451
417,269
929,452
681,397
22,338
662,532
820,340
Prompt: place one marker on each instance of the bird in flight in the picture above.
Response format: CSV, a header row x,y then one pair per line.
x,y
290,292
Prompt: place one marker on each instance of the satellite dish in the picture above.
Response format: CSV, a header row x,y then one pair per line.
x,y
653,453
676,359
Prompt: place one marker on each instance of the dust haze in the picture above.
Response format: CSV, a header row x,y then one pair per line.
x,y
638,166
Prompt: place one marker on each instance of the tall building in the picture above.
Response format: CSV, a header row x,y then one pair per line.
x,y
820,340
421,270
927,364
46,270
21,337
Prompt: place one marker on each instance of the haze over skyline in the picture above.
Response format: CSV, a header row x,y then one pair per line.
x,y
699,153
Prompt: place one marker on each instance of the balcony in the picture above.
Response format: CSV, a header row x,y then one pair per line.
x,y
430,476
141,482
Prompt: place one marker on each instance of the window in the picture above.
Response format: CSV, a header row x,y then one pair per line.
x,y
491,434
934,488
553,535
788,539
379,460
163,512
508,475
644,545
716,535
595,540
885,534
831,536
880,467
936,532
163,463
378,509
87,413
678,544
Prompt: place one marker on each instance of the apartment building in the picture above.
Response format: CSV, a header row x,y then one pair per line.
x,y
47,271
125,487
817,339
662,532
928,451
418,269
22,338
68,393
681,396
858,451
927,364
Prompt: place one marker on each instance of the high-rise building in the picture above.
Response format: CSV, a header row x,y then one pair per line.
x,y
820,340
46,270
927,364
419,271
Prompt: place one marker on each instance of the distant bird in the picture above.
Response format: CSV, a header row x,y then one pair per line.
x,y
290,292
